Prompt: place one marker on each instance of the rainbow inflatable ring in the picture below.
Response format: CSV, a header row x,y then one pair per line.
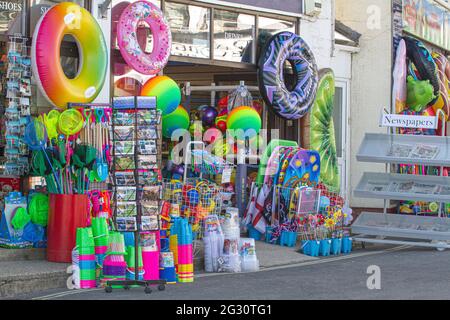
x,y
130,49
63,19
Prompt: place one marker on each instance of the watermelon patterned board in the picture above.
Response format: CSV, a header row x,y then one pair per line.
x,y
322,133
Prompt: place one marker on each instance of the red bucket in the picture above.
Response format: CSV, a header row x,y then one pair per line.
x,y
66,213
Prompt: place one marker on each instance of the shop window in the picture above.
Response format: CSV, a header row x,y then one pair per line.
x,y
234,34
190,30
10,16
269,26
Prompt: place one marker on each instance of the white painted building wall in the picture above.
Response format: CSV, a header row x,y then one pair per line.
x,y
371,80
105,24
319,34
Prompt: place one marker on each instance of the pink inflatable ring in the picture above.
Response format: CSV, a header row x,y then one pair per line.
x,y
130,49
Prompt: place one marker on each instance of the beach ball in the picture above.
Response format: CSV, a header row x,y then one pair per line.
x,y
179,119
212,134
244,118
127,87
221,120
166,91
209,115
196,128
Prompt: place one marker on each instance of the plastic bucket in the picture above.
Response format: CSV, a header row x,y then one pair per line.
x,y
288,238
336,246
66,214
325,247
314,246
306,248
253,233
268,235
347,243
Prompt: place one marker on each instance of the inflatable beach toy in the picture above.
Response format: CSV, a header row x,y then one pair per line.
x,y
69,19
322,138
133,54
282,47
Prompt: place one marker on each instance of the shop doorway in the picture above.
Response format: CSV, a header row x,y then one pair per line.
x,y
340,117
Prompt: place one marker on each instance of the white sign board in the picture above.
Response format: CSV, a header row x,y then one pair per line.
x,y
408,121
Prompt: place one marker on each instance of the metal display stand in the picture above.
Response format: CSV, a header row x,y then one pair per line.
x,y
139,104
401,229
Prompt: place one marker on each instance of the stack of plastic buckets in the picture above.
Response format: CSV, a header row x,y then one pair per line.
x,y
173,240
167,267
101,235
86,257
114,265
185,252
131,263
150,255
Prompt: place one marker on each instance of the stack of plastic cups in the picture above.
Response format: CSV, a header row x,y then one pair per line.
x,y
86,258
167,267
131,263
114,265
173,241
185,253
150,257
101,233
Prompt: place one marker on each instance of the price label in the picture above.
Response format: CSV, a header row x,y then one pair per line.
x,y
226,175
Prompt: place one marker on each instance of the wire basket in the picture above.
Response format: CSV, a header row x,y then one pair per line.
x,y
194,199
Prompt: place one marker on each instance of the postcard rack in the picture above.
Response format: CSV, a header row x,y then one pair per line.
x,y
399,150
137,180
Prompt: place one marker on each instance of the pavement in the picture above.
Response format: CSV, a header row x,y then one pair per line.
x,y
405,273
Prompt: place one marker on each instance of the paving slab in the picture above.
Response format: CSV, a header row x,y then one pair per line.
x,y
270,255
19,277
22,254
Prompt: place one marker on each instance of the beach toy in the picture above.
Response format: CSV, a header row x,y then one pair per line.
x,y
420,94
443,66
282,47
133,54
51,123
100,231
38,209
221,120
179,119
196,129
70,122
246,119
399,78
69,19
167,268
20,219
209,115
36,137
150,256
166,91
421,57
322,137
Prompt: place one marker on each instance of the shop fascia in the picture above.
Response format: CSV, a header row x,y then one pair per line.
x,y
10,6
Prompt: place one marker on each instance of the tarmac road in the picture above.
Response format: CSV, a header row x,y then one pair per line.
x,y
405,273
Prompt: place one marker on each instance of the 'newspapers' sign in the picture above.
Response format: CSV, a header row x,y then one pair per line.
x,y
408,121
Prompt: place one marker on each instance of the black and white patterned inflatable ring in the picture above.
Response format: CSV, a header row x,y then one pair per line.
x,y
291,47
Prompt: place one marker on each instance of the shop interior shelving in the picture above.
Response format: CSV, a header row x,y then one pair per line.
x,y
385,228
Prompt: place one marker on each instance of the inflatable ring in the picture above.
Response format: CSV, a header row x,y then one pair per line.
x,y
443,101
130,49
69,19
422,59
281,47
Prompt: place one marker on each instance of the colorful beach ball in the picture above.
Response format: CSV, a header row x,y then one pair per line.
x,y
166,91
179,119
246,119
